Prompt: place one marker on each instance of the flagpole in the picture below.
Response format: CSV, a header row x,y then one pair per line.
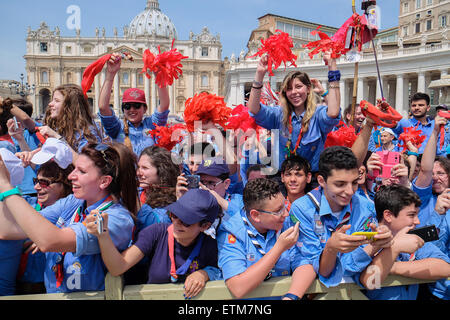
x,y
355,78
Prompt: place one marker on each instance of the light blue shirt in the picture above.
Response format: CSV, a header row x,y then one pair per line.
x,y
138,136
408,292
312,240
313,140
237,252
84,269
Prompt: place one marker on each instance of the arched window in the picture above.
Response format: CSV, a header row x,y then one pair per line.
x,y
44,77
69,77
125,78
205,80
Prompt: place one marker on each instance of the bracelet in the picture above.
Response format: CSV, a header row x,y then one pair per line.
x,y
291,296
257,87
410,153
324,94
333,87
11,192
334,75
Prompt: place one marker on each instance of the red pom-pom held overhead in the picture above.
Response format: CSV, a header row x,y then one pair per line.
x,y
411,134
167,136
206,107
91,71
240,119
166,66
325,44
278,48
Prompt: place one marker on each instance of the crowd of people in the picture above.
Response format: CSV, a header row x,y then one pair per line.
x,y
79,198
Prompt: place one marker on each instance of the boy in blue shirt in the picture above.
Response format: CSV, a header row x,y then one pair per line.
x,y
397,208
327,213
258,243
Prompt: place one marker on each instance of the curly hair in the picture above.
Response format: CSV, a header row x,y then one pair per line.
x,y
75,120
258,190
163,194
288,108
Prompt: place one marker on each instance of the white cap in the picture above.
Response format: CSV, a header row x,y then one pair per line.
x,y
56,150
14,166
388,130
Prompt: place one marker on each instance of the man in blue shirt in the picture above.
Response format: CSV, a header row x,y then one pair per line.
x,y
133,130
258,243
397,208
420,106
327,213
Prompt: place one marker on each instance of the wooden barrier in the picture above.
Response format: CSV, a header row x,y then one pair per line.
x,y
214,290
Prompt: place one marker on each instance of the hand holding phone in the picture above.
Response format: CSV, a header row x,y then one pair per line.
x,y
193,181
428,233
368,235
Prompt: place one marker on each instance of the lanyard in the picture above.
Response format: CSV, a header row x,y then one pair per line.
x,y
257,245
174,273
289,152
80,215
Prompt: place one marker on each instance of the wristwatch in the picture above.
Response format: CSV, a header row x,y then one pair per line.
x,y
11,192
257,85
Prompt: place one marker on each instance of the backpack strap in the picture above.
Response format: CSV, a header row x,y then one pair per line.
x,y
315,195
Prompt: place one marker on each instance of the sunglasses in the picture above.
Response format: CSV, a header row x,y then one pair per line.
x,y
135,105
172,217
44,183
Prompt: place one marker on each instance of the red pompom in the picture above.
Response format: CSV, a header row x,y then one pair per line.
x,y
344,136
241,119
411,134
91,71
325,44
279,50
206,107
167,65
167,136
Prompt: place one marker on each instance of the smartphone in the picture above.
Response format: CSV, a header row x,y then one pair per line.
x,y
389,159
99,223
428,233
193,181
369,235
16,125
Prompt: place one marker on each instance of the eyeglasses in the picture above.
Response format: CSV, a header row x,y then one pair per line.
x,y
278,213
172,217
44,183
129,105
211,184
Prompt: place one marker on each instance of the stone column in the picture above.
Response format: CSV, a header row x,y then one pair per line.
x,y
79,72
362,90
399,103
133,75
116,94
97,94
344,93
421,82
240,93
147,94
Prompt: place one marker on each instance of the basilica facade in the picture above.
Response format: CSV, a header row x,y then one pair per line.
x,y
52,60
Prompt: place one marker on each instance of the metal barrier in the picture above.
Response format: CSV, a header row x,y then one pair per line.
x,y
214,290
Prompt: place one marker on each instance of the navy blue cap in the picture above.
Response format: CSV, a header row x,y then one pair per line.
x,y
194,206
213,167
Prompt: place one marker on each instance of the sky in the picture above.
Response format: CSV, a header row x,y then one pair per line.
x,y
232,19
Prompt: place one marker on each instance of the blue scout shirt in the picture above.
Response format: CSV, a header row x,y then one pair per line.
x,y
237,252
312,141
314,234
84,269
10,253
427,215
138,137
408,292
427,129
148,216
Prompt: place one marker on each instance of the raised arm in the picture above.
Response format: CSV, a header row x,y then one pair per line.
x,y
425,175
360,146
255,93
334,93
113,66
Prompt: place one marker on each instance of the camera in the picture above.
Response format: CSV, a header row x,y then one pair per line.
x,y
389,159
193,181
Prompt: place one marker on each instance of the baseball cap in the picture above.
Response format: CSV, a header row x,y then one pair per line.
x,y
213,167
14,166
442,107
133,95
194,206
56,150
388,130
